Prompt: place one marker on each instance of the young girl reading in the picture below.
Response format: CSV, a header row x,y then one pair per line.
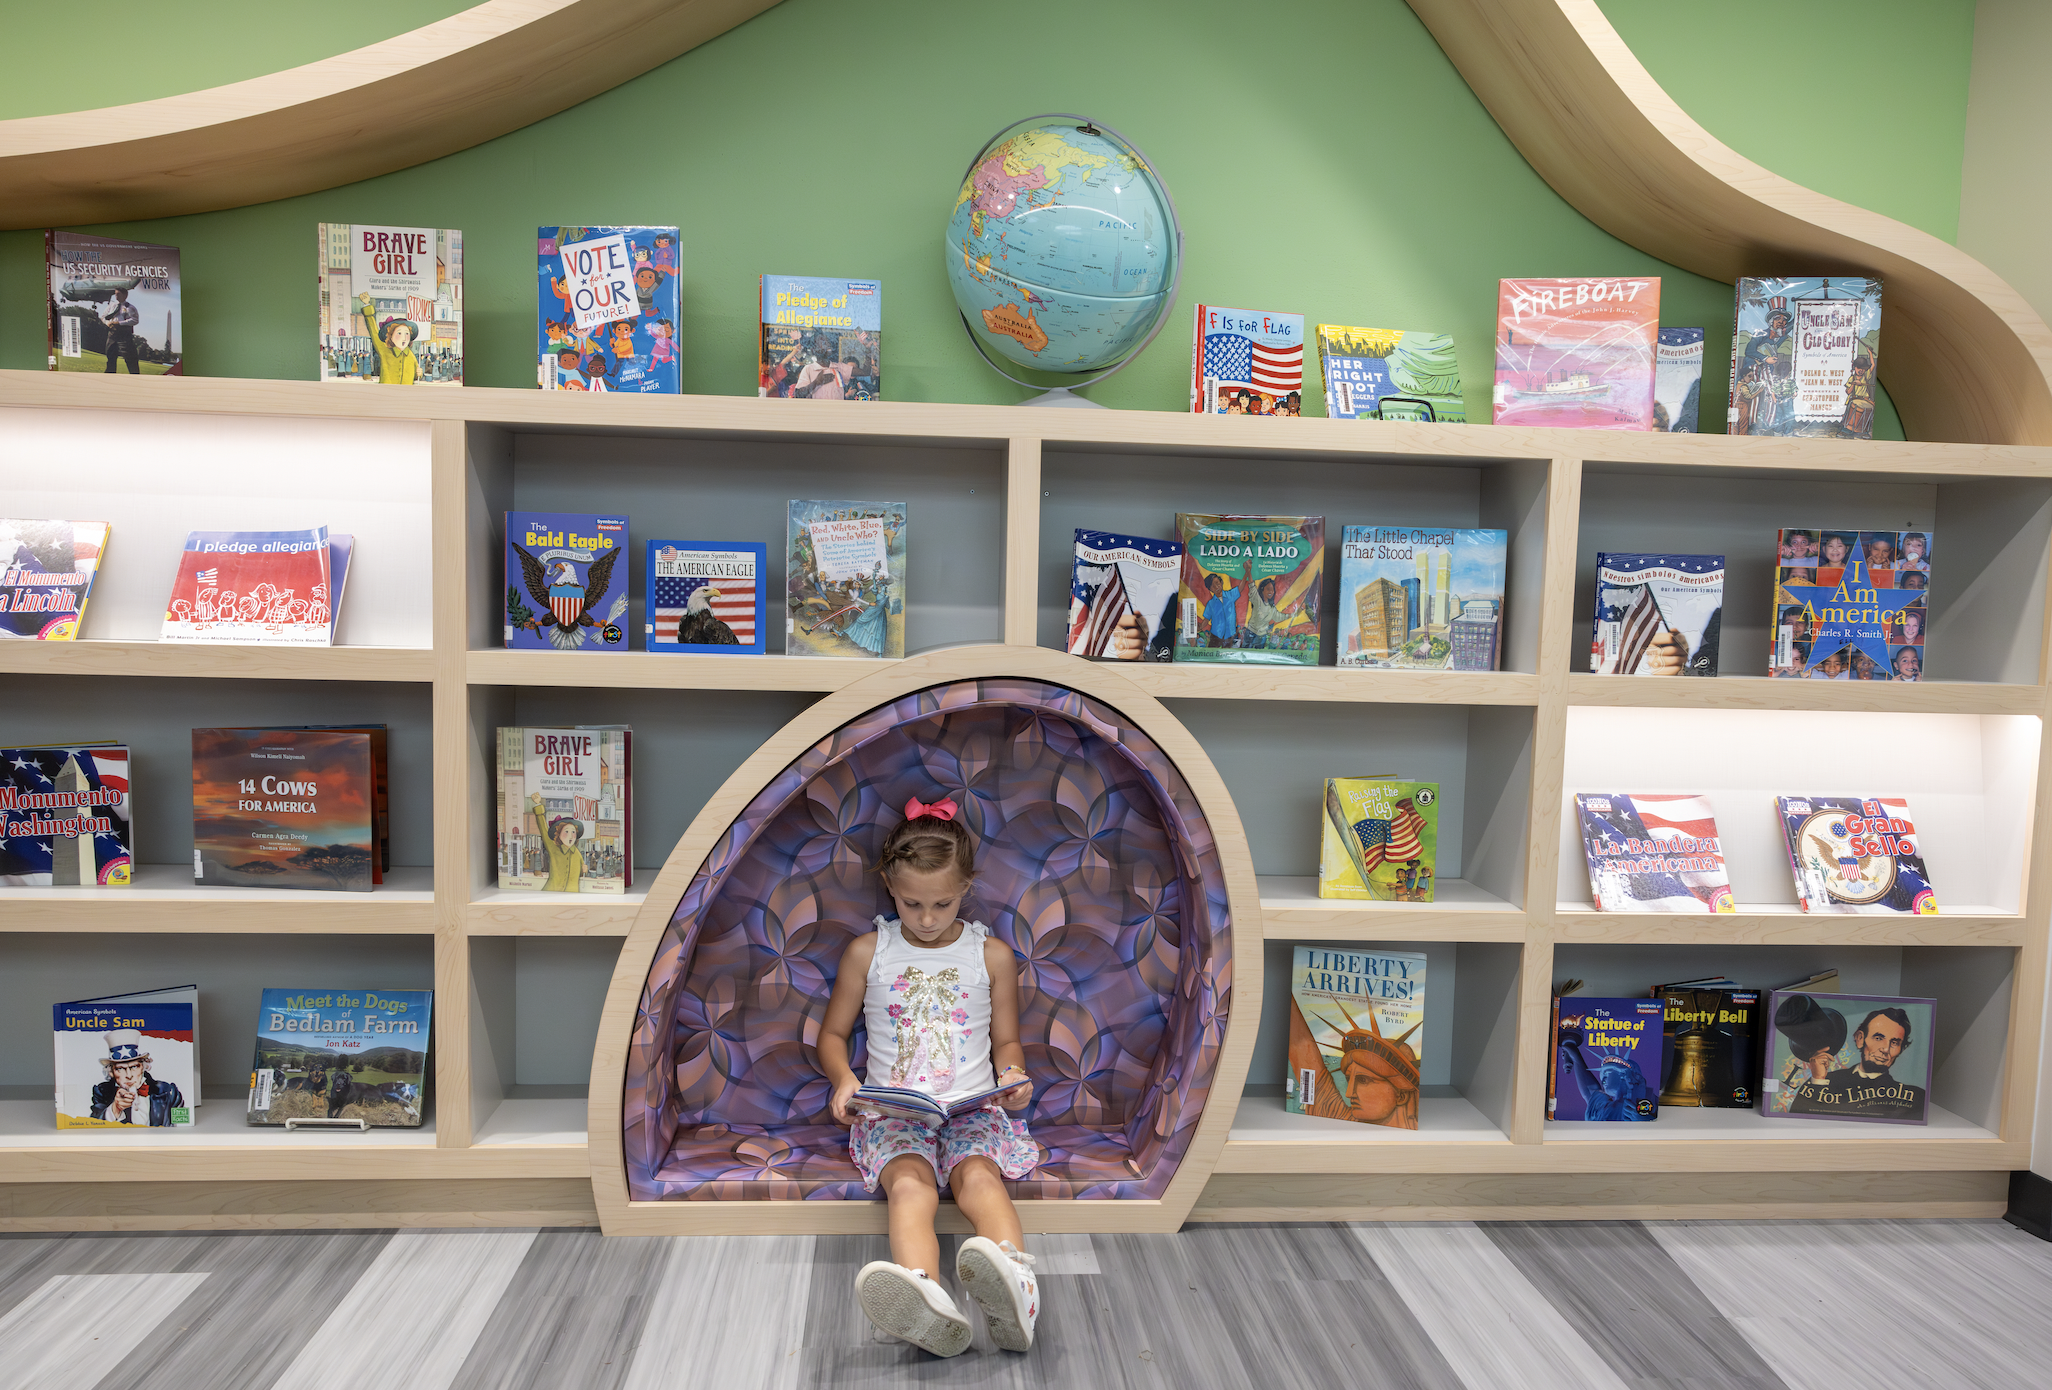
x,y
940,1000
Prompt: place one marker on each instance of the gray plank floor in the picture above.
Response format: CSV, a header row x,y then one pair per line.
x,y
1439,1306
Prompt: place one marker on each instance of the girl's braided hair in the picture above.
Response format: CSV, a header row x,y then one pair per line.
x,y
928,843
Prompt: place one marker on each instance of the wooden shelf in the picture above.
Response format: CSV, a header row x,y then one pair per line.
x,y
1204,681
661,671
163,898
1760,693
225,1146
1578,924
527,912
1291,910
217,662
1452,1137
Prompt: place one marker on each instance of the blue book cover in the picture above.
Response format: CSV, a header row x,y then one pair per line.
x,y
608,309
706,597
1678,380
1390,374
1421,598
1607,1059
565,590
821,339
340,1054
1657,614
1247,362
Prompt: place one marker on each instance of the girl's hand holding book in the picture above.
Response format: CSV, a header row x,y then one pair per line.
x,y
842,1091
1021,1095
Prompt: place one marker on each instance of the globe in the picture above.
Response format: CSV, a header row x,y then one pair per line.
x,y
1063,249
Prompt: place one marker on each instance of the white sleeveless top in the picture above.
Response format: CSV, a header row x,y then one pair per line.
x,y
927,1012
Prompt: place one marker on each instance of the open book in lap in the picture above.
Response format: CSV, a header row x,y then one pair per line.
x,y
897,1103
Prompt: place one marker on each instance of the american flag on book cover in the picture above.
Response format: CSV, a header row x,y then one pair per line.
x,y
1247,347
1651,853
98,777
1635,632
1395,839
735,606
1115,575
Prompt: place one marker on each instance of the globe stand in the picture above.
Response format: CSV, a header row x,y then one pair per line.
x,y
1064,396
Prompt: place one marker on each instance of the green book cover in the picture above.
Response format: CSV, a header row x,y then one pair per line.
x,y
1250,590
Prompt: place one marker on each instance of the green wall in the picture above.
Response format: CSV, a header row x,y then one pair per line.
x,y
1865,100
117,51
1335,166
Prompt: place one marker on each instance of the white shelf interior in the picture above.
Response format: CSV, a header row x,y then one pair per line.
x,y
174,883
1287,893
1695,1123
547,1122
1969,781
1951,909
157,476
222,1122
491,895
1441,1119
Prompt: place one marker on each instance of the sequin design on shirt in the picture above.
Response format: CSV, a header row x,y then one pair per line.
x,y
922,1010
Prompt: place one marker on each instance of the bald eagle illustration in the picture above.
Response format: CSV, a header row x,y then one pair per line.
x,y
565,605
699,626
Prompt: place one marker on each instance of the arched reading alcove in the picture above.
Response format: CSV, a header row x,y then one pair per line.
x,y
1110,860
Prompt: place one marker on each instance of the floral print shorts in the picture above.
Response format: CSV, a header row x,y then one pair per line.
x,y
1000,1137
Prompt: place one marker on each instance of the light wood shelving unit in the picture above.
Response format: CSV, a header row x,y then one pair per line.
x,y
1517,743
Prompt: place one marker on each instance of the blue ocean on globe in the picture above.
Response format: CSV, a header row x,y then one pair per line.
x,y
1062,248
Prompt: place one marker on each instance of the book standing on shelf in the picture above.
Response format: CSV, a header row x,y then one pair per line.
x,y
608,309
1250,589
1848,1057
1651,852
1247,362
391,304
1390,374
1607,1059
65,817
1421,598
288,808
1678,381
1357,1020
1122,597
1379,839
566,809
347,1054
1657,615
1855,854
128,1059
1577,354
565,590
46,576
820,339
706,597
113,305
845,580
269,588
1850,605
1710,1045
1805,356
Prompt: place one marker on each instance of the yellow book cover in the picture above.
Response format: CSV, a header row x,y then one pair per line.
x,y
1379,839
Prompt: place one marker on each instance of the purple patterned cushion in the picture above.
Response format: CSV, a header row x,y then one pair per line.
x,y
1095,865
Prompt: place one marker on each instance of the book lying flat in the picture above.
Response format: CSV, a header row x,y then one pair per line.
x,y
897,1103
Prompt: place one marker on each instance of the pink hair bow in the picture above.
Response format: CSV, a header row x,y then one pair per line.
x,y
944,809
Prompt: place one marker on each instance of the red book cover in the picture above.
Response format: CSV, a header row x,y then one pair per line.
x,y
1577,354
269,587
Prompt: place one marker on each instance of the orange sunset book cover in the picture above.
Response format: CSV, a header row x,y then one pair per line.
x,y
284,808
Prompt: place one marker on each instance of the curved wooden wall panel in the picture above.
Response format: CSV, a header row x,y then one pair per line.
x,y
1965,357
622,1216
456,83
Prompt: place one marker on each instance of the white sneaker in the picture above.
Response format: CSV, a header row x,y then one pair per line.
x,y
1000,1278
905,1303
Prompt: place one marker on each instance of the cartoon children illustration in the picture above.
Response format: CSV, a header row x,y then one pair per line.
x,y
569,373
665,253
596,371
646,280
663,350
623,340
393,340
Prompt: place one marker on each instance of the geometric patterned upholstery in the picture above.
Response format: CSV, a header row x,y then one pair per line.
x,y
1094,864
